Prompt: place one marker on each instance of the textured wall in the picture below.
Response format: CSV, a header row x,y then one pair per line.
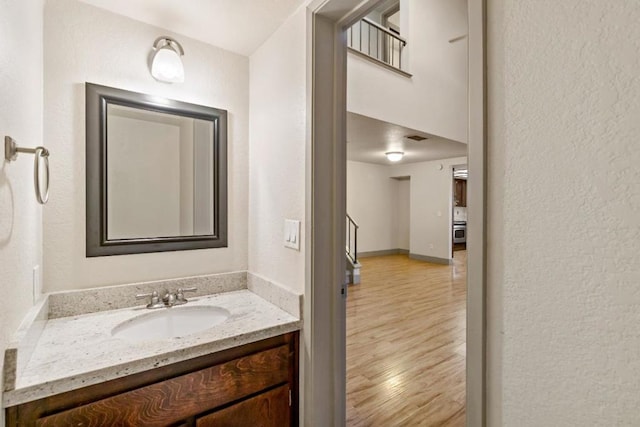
x,y
277,156
84,43
434,100
20,117
564,206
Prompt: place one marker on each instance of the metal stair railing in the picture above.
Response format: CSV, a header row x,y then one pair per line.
x,y
352,240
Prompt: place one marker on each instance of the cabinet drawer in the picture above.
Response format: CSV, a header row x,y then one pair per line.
x,y
270,409
173,400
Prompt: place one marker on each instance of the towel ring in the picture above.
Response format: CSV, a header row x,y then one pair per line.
x,y
11,151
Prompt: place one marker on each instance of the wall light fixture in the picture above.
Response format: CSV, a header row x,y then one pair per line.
x,y
166,65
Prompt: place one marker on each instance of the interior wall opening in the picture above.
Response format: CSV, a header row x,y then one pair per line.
x,y
407,212
327,178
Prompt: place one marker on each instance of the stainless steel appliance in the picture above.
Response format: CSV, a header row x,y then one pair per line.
x,y
459,232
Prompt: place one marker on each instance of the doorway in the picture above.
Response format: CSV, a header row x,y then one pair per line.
x,y
325,292
405,319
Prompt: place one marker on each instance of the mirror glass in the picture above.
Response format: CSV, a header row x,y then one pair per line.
x,y
156,174
159,174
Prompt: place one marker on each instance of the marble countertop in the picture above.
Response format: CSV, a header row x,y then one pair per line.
x,y
78,351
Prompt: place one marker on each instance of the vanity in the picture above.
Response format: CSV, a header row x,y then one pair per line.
x,y
219,349
85,363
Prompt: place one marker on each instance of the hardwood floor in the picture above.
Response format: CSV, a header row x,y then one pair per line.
x,y
406,343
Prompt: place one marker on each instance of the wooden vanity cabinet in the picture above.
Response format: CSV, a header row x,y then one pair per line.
x,y
252,385
270,408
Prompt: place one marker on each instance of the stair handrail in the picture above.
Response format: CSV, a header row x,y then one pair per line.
x,y
352,221
353,256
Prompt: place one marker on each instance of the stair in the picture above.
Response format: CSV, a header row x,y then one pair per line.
x,y
353,272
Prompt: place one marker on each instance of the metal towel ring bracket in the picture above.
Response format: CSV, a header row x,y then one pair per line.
x,y
11,151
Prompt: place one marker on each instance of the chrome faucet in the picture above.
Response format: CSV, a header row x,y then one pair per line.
x,y
169,299
180,299
155,299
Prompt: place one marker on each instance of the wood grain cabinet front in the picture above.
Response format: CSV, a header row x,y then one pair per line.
x,y
247,385
269,409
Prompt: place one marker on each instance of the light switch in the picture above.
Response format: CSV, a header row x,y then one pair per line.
x,y
292,234
287,232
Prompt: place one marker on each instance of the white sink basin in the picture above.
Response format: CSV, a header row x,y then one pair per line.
x,y
170,323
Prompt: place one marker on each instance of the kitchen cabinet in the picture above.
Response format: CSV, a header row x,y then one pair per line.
x,y
460,192
254,384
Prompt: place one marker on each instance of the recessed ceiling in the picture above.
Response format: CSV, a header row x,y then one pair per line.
x,y
240,26
368,139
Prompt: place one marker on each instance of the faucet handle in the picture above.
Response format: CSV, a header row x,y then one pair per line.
x,y
155,299
180,299
150,294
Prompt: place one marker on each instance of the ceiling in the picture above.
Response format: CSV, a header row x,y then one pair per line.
x,y
368,139
240,26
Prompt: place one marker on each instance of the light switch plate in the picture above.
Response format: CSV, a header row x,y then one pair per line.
x,y
292,234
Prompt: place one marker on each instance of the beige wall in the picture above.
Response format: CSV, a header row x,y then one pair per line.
x,y
84,43
564,204
403,214
414,214
278,149
21,118
431,206
372,203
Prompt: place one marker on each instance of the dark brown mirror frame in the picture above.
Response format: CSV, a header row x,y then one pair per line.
x,y
97,99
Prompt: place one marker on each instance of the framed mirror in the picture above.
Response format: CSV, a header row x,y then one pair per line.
x,y
156,173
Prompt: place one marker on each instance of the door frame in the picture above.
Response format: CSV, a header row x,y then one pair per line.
x,y
324,341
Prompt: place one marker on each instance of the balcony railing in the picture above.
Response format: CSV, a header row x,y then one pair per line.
x,y
377,42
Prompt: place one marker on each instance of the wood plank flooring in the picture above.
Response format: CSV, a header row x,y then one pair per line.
x,y
406,343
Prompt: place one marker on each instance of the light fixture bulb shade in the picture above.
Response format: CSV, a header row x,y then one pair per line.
x,y
394,156
166,66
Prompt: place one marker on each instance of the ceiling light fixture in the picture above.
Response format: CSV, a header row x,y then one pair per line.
x,y
166,65
394,156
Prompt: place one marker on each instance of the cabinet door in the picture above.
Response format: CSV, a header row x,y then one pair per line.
x,y
460,192
464,193
171,401
270,409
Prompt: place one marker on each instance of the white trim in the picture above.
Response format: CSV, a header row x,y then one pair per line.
x,y
476,404
325,372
